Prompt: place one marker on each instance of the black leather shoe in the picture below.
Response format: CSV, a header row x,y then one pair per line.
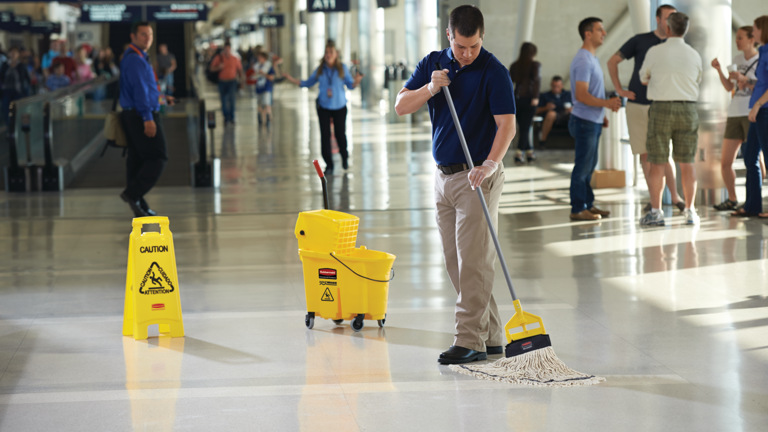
x,y
460,355
146,208
328,171
493,350
135,206
344,165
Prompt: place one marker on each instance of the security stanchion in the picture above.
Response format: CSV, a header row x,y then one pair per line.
x,y
151,283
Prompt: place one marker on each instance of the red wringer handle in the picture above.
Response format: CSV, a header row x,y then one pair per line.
x,y
322,179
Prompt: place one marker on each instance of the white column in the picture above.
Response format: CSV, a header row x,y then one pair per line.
x,y
525,19
640,12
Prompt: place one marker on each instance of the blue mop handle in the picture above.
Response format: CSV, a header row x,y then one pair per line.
x,y
479,189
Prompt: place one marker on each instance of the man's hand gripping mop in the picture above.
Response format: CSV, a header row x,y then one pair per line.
x,y
530,359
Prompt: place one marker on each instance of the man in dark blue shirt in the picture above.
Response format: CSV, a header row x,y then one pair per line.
x,y
556,106
485,103
140,99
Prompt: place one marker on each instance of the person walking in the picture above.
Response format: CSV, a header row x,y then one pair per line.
x,y
526,78
14,81
140,99
637,101
83,71
672,71
167,61
757,138
331,102
482,91
587,119
265,75
737,125
231,73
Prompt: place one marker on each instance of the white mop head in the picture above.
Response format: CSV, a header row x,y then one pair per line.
x,y
537,368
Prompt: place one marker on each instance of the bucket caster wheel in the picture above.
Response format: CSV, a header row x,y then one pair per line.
x,y
338,322
382,321
357,323
309,320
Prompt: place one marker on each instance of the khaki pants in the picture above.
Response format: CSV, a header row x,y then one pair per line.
x,y
470,255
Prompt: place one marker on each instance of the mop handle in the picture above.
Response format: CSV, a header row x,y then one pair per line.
x,y
322,180
479,191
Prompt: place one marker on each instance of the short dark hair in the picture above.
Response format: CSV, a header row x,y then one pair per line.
x,y
761,23
466,20
586,25
557,78
678,23
228,44
662,7
57,65
135,26
262,54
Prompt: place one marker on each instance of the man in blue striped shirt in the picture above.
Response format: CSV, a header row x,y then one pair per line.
x,y
140,99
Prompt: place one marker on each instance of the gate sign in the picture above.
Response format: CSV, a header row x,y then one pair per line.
x,y
6,20
178,12
45,27
246,28
114,12
230,33
272,20
21,23
328,5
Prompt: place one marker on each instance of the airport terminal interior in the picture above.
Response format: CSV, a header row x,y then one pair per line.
x,y
674,318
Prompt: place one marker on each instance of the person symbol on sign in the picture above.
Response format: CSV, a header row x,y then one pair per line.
x,y
155,280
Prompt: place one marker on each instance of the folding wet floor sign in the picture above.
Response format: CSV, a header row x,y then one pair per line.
x,y
151,283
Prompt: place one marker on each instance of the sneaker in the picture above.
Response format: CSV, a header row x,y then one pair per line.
x,y
653,218
691,218
726,205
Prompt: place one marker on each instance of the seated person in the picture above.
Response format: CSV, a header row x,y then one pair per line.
x,y
57,80
555,105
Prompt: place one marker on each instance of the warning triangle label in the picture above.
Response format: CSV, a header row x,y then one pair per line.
x,y
327,295
155,281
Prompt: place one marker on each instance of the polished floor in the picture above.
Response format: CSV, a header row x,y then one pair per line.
x,y
675,318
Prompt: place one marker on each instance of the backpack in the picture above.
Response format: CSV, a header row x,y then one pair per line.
x,y
210,75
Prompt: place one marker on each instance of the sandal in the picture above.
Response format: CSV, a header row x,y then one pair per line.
x,y
726,205
741,213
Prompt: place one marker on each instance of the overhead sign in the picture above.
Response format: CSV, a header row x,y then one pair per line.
x,y
272,20
246,28
178,12
21,23
115,12
6,20
230,33
45,27
328,5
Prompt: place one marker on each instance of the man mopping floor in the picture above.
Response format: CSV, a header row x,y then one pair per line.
x,y
482,87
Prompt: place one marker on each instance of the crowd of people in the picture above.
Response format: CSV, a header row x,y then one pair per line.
x,y
661,108
234,70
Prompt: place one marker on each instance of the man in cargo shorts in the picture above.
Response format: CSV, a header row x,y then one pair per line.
x,y
672,71
482,91
637,101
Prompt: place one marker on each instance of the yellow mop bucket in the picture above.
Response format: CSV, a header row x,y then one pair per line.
x,y
341,282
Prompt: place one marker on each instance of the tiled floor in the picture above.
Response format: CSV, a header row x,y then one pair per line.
x,y
675,318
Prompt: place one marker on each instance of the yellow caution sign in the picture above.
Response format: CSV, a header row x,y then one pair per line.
x,y
151,283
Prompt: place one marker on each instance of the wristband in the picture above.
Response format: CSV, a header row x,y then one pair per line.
x,y
430,91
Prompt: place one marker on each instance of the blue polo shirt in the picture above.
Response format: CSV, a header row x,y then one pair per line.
x,y
480,91
138,87
761,72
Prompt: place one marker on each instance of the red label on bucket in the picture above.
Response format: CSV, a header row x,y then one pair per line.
x,y
327,273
